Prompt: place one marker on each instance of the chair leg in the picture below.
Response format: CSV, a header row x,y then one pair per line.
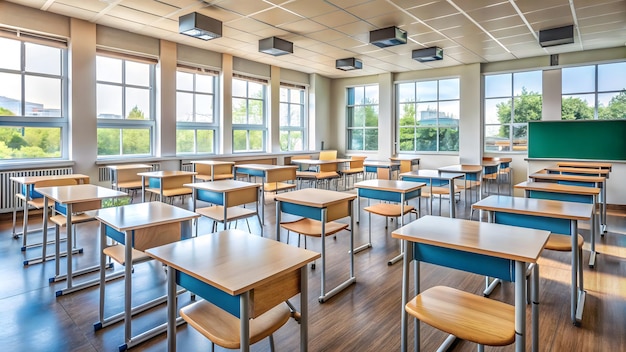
x,y
272,348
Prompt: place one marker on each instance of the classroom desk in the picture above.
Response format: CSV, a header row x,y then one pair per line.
x,y
144,225
164,181
586,164
482,248
434,178
26,185
206,170
77,198
268,174
315,162
243,274
588,181
378,166
406,162
471,172
552,215
124,176
387,190
568,193
324,206
226,194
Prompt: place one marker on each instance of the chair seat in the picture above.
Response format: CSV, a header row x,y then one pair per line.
x,y
278,186
326,175
172,192
562,243
309,175
467,316
353,171
438,190
223,329
216,213
388,209
310,227
216,177
37,202
130,184
117,253
61,220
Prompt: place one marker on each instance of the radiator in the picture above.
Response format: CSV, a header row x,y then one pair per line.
x,y
8,188
186,166
105,175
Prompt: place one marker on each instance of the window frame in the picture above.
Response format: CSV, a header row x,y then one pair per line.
x,y
438,126
124,123
196,126
351,106
303,116
249,127
22,120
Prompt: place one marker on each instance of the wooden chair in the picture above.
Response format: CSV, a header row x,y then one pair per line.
x,y
172,187
312,228
128,181
327,173
388,210
491,175
439,191
328,155
222,172
354,170
223,329
465,315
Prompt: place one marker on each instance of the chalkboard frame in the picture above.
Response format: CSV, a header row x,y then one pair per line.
x,y
577,139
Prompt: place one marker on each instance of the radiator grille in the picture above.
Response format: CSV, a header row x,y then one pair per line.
x,y
8,188
186,166
105,175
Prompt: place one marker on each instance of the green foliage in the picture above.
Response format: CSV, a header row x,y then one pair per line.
x,y
575,109
616,110
135,114
414,137
116,202
528,107
6,112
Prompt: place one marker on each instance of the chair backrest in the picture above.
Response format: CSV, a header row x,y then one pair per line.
x,y
356,163
57,182
328,155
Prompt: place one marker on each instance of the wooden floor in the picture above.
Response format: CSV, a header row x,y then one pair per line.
x,y
364,317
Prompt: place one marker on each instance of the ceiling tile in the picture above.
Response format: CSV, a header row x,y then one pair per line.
x,y
371,9
335,18
150,6
303,26
244,8
276,17
468,6
433,10
76,12
355,28
310,8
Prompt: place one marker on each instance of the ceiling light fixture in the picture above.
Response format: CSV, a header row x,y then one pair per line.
x,y
199,26
390,36
348,64
433,53
275,46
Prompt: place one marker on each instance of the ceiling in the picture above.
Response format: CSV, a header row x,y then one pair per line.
x,y
325,30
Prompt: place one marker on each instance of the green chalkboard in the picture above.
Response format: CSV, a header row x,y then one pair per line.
x,y
597,139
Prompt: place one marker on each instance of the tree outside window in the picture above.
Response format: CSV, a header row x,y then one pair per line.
x,y
196,126
292,118
248,114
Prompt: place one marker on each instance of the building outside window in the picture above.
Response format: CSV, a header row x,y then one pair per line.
x,y
125,106
511,101
292,117
428,115
362,113
594,92
33,98
249,114
196,122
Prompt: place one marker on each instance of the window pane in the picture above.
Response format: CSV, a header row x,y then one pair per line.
x,y
43,59
371,139
184,141
184,81
407,139
137,104
109,101
296,116
371,94
10,94
612,106
137,73
283,137
427,91
256,140
578,79
577,107
135,141
204,108
239,88
527,108
427,114
108,141
284,114
371,115
530,82
358,117
449,89
204,83
449,139
296,96
520,137
205,141
449,112
407,114
498,85
240,138
30,142
255,112
406,92
10,58
611,77
255,90
355,139
496,138
284,95
240,112
296,142
108,69
426,139
359,95
184,107
42,96
498,111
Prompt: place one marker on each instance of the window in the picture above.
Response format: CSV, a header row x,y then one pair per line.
x,y
125,106
428,115
196,125
292,117
594,92
33,96
511,100
362,113
249,122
